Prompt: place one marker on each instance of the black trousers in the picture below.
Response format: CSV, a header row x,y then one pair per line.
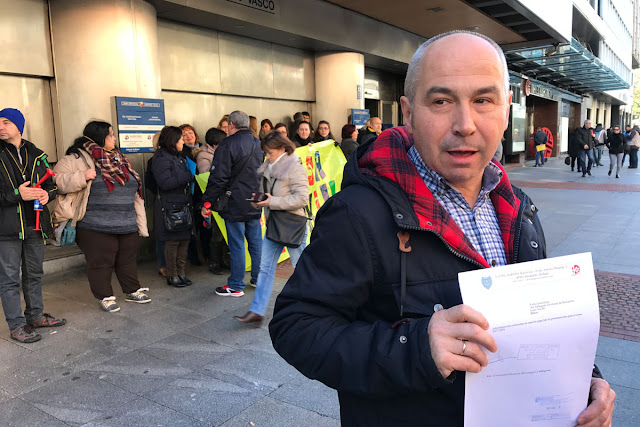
x,y
106,253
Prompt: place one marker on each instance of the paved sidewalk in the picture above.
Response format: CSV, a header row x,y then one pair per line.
x,y
183,361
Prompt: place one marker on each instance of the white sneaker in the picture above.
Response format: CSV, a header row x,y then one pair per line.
x,y
109,305
138,296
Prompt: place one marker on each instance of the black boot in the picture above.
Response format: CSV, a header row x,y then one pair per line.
x,y
215,267
184,280
175,282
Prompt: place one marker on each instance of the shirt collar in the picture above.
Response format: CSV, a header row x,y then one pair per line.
x,y
435,182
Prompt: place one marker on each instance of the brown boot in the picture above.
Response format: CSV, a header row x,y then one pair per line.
x,y
249,317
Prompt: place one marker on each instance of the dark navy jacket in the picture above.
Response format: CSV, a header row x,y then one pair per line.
x,y
338,318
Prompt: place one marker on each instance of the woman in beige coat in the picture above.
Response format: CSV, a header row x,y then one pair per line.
x,y
285,186
100,193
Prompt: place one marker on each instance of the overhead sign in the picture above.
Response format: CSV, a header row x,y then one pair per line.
x,y
267,6
138,120
359,117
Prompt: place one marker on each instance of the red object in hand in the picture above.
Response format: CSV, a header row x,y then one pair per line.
x,y
46,176
207,219
37,206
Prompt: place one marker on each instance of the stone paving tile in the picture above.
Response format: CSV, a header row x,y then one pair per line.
x,y
206,399
79,398
619,297
311,395
18,413
274,413
144,413
626,412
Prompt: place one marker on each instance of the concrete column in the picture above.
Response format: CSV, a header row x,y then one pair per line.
x,y
101,49
338,76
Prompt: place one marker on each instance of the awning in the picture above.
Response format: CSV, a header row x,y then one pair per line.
x,y
571,67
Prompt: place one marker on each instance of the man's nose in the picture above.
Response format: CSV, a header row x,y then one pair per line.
x,y
464,121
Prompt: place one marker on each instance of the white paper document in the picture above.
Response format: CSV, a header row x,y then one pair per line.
x,y
545,319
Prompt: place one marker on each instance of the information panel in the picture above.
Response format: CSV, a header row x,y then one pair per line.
x,y
359,116
138,120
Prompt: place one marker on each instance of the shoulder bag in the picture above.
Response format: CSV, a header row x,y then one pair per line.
x,y
176,217
221,204
284,227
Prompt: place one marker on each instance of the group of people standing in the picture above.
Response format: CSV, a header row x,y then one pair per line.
x,y
587,147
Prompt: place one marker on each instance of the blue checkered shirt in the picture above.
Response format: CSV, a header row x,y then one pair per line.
x,y
479,224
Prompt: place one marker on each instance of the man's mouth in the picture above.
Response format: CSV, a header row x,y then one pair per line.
x,y
461,153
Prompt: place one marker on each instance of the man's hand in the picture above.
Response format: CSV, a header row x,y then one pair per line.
x,y
205,212
601,402
44,198
586,146
447,329
89,174
31,193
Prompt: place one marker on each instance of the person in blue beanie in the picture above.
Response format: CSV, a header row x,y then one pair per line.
x,y
22,241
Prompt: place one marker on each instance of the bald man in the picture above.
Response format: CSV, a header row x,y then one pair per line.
x,y
373,308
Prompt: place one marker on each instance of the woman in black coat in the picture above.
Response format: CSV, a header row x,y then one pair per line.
x,y
172,179
615,143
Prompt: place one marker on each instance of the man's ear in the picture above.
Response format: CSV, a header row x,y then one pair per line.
x,y
508,107
406,112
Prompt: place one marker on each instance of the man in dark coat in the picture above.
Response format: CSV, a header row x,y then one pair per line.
x,y
373,308
586,142
234,172
21,242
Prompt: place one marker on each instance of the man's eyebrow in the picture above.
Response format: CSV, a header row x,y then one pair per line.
x,y
446,91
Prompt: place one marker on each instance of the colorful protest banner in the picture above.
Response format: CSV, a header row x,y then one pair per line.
x,y
324,162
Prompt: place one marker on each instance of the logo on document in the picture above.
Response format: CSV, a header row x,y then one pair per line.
x,y
486,282
575,269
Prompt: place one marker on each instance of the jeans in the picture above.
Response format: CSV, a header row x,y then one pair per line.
x,y
633,158
617,159
270,253
583,160
236,233
30,253
598,154
540,155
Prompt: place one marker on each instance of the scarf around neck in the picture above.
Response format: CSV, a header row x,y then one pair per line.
x,y
114,166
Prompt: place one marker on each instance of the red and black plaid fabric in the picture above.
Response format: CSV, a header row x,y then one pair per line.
x,y
387,158
114,166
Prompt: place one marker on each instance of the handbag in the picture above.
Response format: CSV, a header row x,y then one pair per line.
x,y
567,161
67,235
221,204
176,218
286,228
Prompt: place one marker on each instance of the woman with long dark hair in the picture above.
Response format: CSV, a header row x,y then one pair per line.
x,y
101,194
286,187
265,127
172,179
323,132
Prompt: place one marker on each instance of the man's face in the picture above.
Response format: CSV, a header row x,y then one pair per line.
x,y
628,128
616,129
306,118
376,124
587,124
461,109
8,130
231,129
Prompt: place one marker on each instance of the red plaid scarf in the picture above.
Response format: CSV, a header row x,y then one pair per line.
x,y
387,157
114,166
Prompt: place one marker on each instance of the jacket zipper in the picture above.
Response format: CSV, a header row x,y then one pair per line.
x,y
19,207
